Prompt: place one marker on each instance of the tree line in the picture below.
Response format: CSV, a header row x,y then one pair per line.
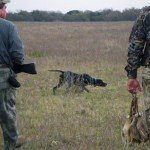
x,y
75,15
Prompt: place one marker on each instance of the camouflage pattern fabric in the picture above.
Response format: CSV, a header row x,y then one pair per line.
x,y
146,94
137,41
7,111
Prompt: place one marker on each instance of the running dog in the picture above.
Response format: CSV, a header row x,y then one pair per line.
x,y
81,80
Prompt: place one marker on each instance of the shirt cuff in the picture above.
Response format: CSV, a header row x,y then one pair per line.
x,y
131,73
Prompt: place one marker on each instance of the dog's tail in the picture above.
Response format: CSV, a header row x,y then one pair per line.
x,y
56,71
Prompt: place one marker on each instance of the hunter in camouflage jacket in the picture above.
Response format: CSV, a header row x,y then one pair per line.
x,y
139,55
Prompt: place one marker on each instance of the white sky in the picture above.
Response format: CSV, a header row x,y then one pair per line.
x,y
67,5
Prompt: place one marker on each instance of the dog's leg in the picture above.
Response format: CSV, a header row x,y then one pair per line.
x,y
68,87
69,83
57,86
84,88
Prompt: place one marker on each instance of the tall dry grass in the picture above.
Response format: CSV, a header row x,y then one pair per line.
x,y
86,121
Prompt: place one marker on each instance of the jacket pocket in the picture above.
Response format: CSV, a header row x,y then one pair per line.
x,y
4,75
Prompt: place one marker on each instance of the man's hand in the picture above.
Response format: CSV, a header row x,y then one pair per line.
x,y
133,86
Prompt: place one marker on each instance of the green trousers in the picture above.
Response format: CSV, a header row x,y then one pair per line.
x,y
146,94
7,111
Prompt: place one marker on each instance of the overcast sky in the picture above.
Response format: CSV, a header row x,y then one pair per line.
x,y
67,5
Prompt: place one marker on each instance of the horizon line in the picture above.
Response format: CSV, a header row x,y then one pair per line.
x,y
9,11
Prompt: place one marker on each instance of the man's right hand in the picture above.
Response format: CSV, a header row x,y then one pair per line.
x,y
133,86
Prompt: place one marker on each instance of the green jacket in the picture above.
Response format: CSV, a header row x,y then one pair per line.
x,y
139,44
11,47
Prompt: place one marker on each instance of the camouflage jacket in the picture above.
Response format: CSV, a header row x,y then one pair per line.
x,y
11,48
139,44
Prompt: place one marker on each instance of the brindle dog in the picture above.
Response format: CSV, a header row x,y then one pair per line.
x,y
81,80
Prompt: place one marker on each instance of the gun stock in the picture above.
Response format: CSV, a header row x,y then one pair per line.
x,y
26,68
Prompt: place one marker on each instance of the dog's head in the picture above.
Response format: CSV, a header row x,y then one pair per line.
x,y
88,80
99,82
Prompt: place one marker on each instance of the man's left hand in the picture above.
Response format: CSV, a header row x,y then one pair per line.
x,y
133,86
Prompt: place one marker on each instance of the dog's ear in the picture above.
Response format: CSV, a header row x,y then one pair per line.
x,y
85,81
86,78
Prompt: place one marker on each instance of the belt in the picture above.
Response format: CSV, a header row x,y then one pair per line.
x,y
4,66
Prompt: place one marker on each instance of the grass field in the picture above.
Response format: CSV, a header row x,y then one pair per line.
x,y
86,121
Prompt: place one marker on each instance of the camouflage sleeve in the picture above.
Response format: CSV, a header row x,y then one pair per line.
x,y
16,50
136,45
